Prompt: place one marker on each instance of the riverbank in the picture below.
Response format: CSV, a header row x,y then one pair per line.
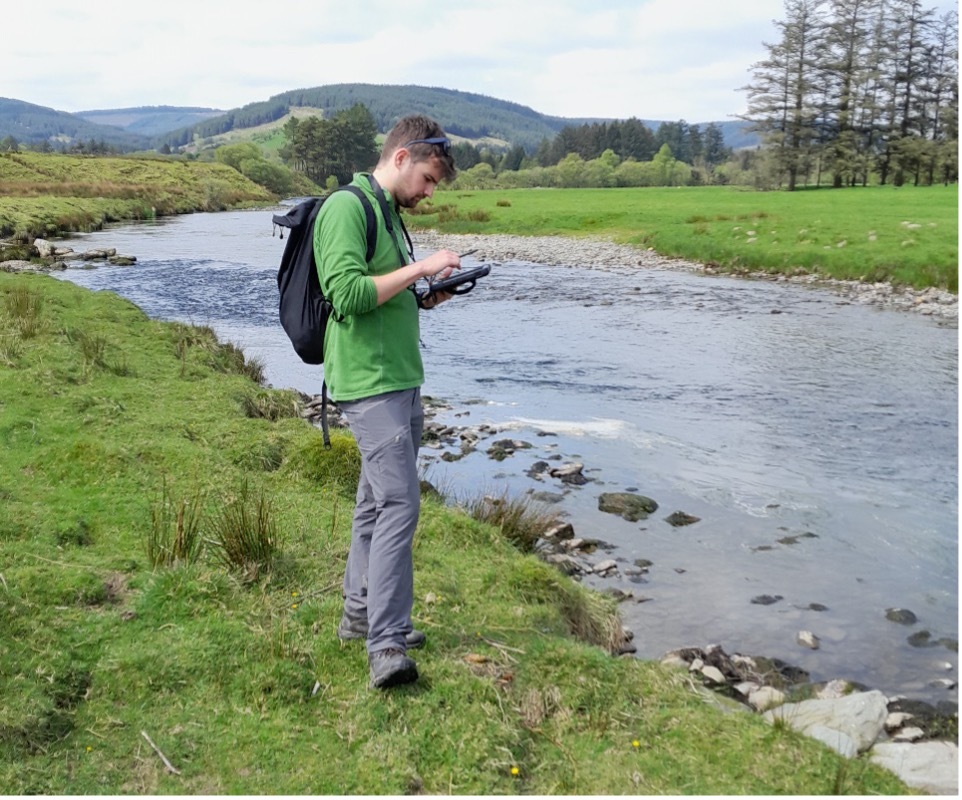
x,y
109,419
602,254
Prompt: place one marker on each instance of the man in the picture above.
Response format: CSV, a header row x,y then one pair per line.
x,y
373,370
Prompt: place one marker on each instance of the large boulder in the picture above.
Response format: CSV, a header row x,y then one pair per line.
x,y
860,716
930,766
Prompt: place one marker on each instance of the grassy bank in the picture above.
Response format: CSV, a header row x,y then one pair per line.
x,y
48,194
908,235
133,452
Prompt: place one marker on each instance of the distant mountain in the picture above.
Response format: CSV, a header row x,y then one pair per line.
x,y
150,120
472,116
31,124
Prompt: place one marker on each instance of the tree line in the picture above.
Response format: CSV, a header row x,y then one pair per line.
x,y
859,88
331,148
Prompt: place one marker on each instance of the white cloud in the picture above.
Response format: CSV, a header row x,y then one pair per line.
x,y
655,59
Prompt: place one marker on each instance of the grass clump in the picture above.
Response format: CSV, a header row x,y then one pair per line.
x,y
270,404
244,533
521,520
24,310
174,536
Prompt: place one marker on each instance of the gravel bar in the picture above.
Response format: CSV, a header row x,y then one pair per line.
x,y
600,253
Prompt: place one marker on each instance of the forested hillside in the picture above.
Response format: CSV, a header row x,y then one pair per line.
x,y
165,128
472,116
464,114
32,124
150,120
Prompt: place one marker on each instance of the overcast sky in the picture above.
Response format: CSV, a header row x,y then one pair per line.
x,y
653,59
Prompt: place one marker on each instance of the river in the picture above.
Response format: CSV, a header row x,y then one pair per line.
x,y
816,440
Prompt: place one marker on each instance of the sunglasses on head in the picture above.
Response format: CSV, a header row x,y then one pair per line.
x,y
441,141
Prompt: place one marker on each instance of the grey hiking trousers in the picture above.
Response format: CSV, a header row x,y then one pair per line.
x,y
379,577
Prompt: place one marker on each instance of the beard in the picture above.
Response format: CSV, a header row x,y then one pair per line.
x,y
407,201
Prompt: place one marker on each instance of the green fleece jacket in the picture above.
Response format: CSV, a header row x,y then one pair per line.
x,y
373,349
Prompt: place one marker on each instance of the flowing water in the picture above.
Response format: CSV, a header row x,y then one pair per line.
x,y
815,440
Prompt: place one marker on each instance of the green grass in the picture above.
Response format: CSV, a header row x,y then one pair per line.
x,y
908,235
49,194
239,680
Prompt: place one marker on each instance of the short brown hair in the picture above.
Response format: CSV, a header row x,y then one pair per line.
x,y
418,126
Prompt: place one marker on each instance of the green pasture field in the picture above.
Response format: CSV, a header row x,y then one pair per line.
x,y
115,429
905,235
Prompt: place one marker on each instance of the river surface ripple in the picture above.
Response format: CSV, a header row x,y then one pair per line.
x,y
816,440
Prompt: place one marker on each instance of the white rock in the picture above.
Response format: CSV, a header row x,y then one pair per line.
x,y
745,688
674,660
833,690
696,664
840,742
559,532
930,766
896,720
44,248
565,470
713,674
861,716
766,697
744,661
908,735
807,639
605,566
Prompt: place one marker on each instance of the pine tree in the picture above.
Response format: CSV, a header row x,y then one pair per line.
x,y
783,98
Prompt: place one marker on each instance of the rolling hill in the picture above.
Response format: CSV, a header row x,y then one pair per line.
x,y
150,120
31,124
466,115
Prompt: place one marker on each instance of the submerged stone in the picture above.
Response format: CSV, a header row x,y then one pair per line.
x,y
680,518
631,507
901,615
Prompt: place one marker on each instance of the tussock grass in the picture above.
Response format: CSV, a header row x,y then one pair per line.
x,y
268,403
244,686
24,308
244,533
520,520
174,536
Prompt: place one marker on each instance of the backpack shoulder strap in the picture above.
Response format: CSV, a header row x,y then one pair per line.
x,y
386,212
370,219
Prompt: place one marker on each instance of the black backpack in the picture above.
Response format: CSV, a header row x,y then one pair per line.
x,y
304,311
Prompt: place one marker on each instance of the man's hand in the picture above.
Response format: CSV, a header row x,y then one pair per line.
x,y
434,299
440,264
